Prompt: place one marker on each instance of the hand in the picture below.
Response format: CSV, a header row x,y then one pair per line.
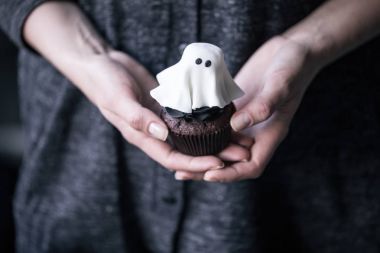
x,y
274,80
120,86
117,84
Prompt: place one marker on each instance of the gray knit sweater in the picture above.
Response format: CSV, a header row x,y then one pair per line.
x,y
82,188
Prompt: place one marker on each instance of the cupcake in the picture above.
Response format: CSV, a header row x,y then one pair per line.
x,y
196,96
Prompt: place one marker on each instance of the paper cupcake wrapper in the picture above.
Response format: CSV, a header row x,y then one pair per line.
x,y
202,144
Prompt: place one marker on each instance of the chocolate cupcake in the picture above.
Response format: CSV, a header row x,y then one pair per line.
x,y
196,95
205,131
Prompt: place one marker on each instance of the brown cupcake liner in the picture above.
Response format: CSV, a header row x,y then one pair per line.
x,y
202,144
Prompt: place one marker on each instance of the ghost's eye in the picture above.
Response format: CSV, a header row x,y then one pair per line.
x,y
198,61
208,63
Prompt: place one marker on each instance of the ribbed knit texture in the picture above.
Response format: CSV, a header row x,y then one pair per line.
x,y
83,188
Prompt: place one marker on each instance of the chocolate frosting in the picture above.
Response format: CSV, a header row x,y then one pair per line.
x,y
202,114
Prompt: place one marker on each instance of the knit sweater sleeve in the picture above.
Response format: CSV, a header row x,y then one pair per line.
x,y
13,14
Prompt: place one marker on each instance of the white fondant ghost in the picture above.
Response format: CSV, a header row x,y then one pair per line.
x,y
200,78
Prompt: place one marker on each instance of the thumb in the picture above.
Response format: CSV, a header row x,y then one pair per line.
x,y
260,108
252,113
144,120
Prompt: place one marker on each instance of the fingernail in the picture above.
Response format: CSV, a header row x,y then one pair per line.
x,y
241,121
158,131
179,176
221,166
244,160
208,178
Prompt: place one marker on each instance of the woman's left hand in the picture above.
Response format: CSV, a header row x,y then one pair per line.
x,y
274,80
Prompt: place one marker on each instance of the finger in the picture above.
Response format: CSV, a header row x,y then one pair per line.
x,y
232,173
276,90
258,110
125,104
139,118
266,142
171,158
183,175
242,140
162,152
234,153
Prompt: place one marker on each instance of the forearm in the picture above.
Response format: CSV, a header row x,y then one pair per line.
x,y
60,32
337,27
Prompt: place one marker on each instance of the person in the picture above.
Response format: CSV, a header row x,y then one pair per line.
x,y
86,69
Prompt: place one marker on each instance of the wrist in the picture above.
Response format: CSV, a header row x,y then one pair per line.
x,y
86,48
81,47
318,44
60,32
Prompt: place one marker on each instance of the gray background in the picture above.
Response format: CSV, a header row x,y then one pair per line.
x,y
10,140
